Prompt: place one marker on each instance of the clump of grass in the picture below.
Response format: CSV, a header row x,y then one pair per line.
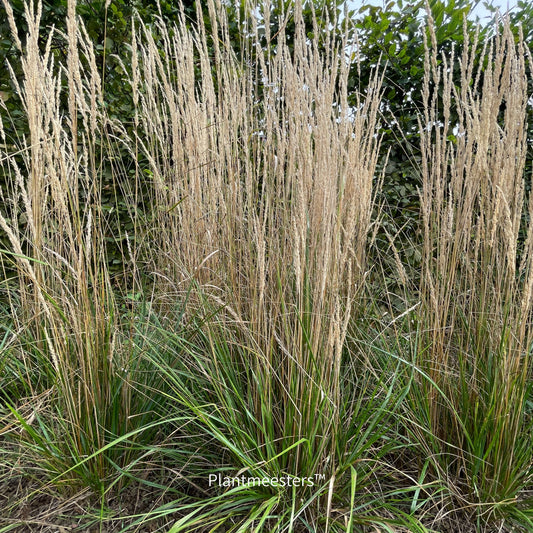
x,y
477,278
265,202
263,181
63,311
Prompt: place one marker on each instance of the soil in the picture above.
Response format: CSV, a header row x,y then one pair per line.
x,y
30,507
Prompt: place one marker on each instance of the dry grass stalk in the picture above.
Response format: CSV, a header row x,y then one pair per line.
x,y
477,259
54,223
262,186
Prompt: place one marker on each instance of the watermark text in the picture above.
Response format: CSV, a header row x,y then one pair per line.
x,y
281,481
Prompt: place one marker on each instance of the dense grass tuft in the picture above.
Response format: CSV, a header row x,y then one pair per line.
x,y
248,338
